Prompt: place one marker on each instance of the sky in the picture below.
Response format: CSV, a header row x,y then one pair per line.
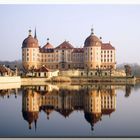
x,y
119,24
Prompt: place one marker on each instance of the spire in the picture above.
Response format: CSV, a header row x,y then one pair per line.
x,y
30,126
92,31
35,36
92,127
30,31
47,40
35,124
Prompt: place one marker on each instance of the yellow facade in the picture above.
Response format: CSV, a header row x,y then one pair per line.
x,y
93,55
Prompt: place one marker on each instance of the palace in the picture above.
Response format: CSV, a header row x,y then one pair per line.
x,y
94,54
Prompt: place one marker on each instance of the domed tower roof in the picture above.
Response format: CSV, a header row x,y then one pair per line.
x,y
30,42
92,40
92,118
30,117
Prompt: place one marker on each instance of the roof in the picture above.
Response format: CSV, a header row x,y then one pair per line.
x,y
65,45
30,116
92,118
30,42
78,50
92,40
48,109
107,46
65,112
3,69
42,69
48,50
107,111
48,46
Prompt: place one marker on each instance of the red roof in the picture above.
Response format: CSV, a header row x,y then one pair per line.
x,y
78,50
42,69
107,111
48,46
107,46
65,45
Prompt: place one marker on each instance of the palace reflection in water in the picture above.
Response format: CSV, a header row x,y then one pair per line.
x,y
95,102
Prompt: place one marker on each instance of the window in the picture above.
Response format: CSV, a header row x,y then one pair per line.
x,y
68,65
63,65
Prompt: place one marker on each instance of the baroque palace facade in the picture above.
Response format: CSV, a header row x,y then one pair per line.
x,y
95,54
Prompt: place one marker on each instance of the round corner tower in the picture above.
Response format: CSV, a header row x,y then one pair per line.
x,y
30,51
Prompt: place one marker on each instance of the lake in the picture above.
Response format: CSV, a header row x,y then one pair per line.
x,y
64,110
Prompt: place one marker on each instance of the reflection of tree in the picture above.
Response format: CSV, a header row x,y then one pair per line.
x,y
127,90
99,71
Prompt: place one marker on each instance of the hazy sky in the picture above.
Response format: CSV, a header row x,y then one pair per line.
x,y
119,24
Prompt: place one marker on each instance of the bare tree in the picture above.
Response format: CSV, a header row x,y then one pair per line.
x,y
110,71
99,71
128,70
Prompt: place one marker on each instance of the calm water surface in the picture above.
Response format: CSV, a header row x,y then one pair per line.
x,y
70,111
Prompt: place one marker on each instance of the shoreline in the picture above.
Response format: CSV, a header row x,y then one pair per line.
x,y
71,80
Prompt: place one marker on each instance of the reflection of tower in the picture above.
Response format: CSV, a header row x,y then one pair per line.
x,y
108,100
30,106
92,106
48,109
65,105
